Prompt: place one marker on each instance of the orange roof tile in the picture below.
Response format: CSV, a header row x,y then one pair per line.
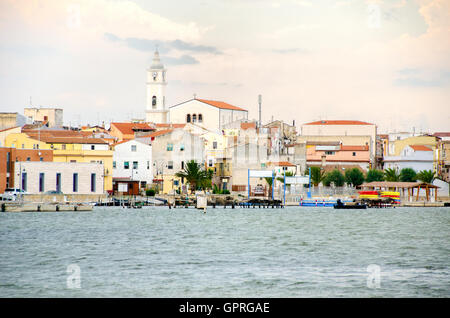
x,y
338,122
157,133
246,126
220,104
128,128
420,148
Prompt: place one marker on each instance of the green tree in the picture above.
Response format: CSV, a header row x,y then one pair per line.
x,y
336,177
194,175
427,176
354,177
269,181
317,176
287,174
374,175
408,175
391,174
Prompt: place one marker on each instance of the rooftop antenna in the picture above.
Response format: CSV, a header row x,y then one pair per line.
x,y
259,102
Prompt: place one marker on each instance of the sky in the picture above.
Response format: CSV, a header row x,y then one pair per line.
x,y
386,62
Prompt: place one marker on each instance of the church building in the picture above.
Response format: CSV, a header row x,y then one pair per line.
x,y
209,114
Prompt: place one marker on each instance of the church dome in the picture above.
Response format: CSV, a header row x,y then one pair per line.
x,y
156,63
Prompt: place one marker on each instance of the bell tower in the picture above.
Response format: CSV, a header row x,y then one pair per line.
x,y
156,111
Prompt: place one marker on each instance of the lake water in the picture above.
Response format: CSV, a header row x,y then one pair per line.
x,y
291,252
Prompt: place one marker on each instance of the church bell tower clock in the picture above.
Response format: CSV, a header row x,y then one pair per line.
x,y
156,111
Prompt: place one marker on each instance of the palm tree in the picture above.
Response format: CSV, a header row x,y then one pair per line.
x,y
426,176
194,174
391,174
317,176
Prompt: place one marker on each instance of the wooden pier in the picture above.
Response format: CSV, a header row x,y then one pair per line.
x,y
44,207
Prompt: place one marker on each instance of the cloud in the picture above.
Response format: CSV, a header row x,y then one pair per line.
x,y
183,60
292,50
163,46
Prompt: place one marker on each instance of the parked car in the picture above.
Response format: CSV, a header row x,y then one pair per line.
x,y
12,194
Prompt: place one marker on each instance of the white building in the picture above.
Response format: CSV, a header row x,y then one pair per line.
x,y
53,116
132,161
156,111
210,114
417,157
67,177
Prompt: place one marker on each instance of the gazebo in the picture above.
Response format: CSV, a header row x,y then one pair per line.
x,y
397,186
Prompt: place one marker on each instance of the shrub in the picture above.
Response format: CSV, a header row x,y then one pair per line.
x,y
354,177
375,175
408,175
150,192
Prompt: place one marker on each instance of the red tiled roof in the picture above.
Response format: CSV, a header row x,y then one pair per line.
x,y
127,128
420,148
338,122
246,126
441,134
157,133
220,104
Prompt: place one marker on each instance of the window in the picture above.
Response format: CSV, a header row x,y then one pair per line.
x,y
135,164
23,146
210,163
63,147
41,182
170,165
182,147
28,158
200,118
75,182
41,159
126,165
133,148
58,182
24,181
194,118
188,119
73,161
214,144
182,165
169,146
92,147
354,154
114,165
148,165
154,102
92,182
329,152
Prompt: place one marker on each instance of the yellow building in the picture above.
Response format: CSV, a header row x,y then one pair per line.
x,y
67,146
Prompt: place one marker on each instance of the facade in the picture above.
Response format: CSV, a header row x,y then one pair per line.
x,y
9,157
10,120
417,157
156,111
171,150
132,161
344,128
66,177
396,146
336,154
211,115
443,156
68,146
52,116
6,132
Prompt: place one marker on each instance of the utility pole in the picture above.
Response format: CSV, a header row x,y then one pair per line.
x,y
259,102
